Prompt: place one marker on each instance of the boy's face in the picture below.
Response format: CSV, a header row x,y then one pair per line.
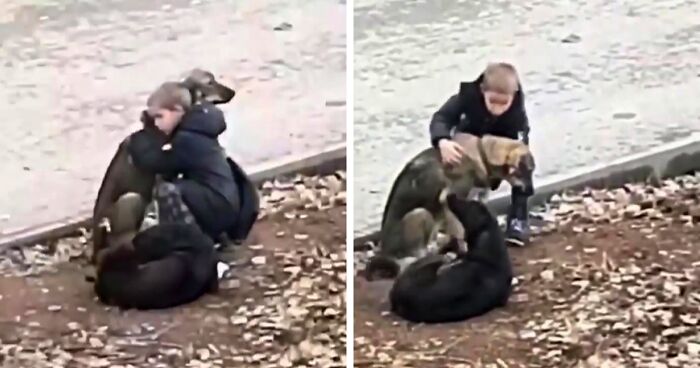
x,y
166,119
497,103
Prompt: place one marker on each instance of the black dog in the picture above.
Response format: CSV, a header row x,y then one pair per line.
x,y
164,266
477,282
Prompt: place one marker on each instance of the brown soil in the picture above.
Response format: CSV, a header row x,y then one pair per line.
x,y
241,325
496,339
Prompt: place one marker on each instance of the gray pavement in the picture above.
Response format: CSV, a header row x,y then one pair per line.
x,y
75,75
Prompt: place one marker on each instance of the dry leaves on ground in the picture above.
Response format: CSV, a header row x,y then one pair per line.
x,y
637,311
295,318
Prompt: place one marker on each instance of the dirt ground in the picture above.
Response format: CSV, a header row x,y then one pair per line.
x,y
620,294
282,305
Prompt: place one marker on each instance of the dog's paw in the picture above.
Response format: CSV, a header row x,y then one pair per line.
x,y
105,224
221,269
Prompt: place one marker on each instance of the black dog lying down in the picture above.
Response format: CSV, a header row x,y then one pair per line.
x,y
476,283
164,266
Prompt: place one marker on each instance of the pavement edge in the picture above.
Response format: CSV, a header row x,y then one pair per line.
x,y
664,161
321,162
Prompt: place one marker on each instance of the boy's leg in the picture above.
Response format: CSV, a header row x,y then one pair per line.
x,y
171,207
518,227
210,211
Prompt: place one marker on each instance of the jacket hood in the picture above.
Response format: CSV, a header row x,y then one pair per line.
x,y
205,119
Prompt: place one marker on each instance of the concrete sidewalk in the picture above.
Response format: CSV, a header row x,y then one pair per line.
x,y
75,78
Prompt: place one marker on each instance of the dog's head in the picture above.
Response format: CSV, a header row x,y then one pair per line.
x,y
119,254
473,215
519,164
381,267
203,86
511,158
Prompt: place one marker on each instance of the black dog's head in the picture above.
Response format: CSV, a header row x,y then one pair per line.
x,y
203,86
380,267
118,256
473,215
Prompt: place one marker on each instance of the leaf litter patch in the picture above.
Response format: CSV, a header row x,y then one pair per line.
x,y
610,281
282,304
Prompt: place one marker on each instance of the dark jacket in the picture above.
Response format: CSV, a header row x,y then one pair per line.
x,y
467,113
208,186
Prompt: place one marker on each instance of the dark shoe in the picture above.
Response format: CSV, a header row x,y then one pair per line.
x,y
517,233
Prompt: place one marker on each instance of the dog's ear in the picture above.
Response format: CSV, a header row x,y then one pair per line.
x,y
527,162
519,161
147,119
456,205
473,215
193,88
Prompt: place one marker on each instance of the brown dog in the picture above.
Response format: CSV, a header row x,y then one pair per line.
x,y
416,208
123,177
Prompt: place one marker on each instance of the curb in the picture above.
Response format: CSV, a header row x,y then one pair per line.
x,y
322,162
667,160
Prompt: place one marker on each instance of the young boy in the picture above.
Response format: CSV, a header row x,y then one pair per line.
x,y
185,151
492,104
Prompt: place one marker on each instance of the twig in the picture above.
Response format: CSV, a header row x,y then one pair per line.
x,y
502,363
446,348
366,363
446,357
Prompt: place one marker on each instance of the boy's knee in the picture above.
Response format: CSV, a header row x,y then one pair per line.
x,y
166,189
126,212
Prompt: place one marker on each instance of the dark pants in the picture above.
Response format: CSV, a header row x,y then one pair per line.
x,y
518,200
187,202
171,207
213,212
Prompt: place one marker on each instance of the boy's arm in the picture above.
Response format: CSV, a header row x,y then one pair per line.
x,y
525,127
519,126
446,118
146,150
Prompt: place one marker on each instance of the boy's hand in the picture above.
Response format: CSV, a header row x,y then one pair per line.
x,y
450,151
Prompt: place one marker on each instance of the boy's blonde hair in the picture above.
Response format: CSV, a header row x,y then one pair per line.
x,y
501,78
169,95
